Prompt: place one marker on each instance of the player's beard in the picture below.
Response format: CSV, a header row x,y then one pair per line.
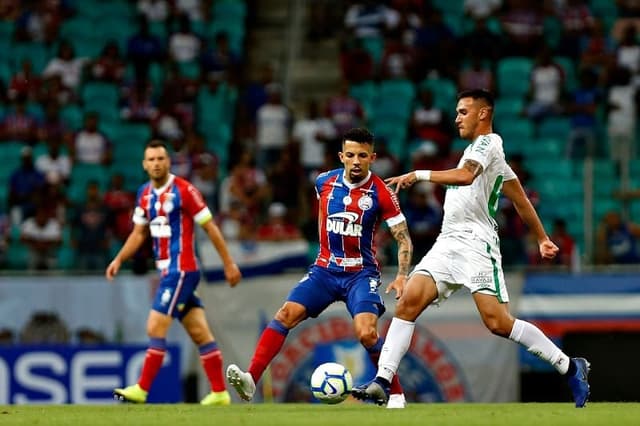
x,y
355,178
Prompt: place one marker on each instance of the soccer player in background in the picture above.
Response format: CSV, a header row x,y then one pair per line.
x,y
167,208
352,203
467,252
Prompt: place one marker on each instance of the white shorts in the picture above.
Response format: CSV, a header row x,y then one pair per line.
x,y
454,262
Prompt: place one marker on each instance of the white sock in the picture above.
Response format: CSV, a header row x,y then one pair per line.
x,y
396,344
530,336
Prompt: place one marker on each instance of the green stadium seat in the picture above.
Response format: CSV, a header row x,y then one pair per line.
x,y
37,53
72,116
554,127
544,148
100,92
366,93
397,89
230,9
513,76
516,131
17,256
444,92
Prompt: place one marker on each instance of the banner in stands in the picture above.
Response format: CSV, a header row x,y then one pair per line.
x,y
81,375
561,304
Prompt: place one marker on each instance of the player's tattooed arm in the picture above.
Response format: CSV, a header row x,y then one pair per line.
x,y
473,166
400,233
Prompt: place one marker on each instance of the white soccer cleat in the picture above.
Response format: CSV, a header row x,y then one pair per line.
x,y
242,382
397,400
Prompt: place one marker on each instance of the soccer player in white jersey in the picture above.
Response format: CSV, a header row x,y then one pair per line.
x,y
466,253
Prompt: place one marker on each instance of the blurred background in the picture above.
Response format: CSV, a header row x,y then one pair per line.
x,y
252,97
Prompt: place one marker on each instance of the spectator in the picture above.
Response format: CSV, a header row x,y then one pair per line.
x,y
19,124
356,63
205,167
623,100
144,48
582,109
154,10
434,41
523,27
617,240
312,133
345,112
431,123
119,203
236,224
67,66
39,22
42,234
90,145
577,22
397,59
628,50
273,124
546,87
89,238
370,18
54,165
386,164
286,170
424,217
24,84
180,93
481,9
54,92
138,103
53,128
597,49
482,42
24,185
110,65
246,184
184,44
476,75
219,59
278,226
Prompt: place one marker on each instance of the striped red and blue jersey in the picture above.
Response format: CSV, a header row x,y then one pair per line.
x,y
171,213
349,217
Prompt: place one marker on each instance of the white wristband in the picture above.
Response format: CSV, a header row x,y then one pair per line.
x,y
423,174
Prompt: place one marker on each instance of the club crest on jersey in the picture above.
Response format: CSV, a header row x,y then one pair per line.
x,y
343,223
167,202
166,297
365,203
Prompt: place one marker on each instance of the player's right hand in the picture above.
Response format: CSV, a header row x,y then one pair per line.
x,y
112,269
232,274
403,181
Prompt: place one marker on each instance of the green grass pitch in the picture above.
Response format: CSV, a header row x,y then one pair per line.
x,y
352,414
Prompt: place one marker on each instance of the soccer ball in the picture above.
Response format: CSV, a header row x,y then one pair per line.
x,y
331,383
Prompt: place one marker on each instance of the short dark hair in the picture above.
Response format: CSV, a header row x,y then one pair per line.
x,y
358,134
476,94
157,143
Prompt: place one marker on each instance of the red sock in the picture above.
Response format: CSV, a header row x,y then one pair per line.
x,y
212,364
150,367
269,345
396,387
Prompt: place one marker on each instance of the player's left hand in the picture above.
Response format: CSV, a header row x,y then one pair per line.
x,y
232,274
401,182
397,285
548,249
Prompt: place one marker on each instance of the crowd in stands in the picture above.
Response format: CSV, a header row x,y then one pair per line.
x,y
84,87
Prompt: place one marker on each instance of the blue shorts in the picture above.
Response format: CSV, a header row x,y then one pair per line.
x,y
321,287
176,294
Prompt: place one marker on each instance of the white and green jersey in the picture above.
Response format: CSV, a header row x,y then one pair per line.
x,y
472,208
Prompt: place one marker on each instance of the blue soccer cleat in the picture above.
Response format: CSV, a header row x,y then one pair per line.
x,y
375,391
578,382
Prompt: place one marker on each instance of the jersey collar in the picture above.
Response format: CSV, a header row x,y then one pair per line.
x,y
355,185
164,187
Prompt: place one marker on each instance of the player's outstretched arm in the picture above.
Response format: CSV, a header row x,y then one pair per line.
x,y
134,241
231,271
461,176
513,190
400,233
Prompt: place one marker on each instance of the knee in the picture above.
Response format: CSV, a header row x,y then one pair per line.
x,y
406,310
498,326
368,336
288,316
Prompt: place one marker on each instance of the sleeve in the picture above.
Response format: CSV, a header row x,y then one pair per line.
x,y
509,174
139,212
481,151
194,204
389,206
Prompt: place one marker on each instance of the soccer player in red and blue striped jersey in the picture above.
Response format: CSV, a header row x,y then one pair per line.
x,y
168,208
352,202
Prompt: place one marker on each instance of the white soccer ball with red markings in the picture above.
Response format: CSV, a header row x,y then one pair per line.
x,y
331,383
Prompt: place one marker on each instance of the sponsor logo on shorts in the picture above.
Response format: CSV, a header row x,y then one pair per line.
x,y
482,279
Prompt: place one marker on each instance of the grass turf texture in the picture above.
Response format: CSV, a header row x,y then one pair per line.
x,y
538,414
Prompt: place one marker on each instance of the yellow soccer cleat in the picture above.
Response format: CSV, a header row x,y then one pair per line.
x,y
217,398
133,393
